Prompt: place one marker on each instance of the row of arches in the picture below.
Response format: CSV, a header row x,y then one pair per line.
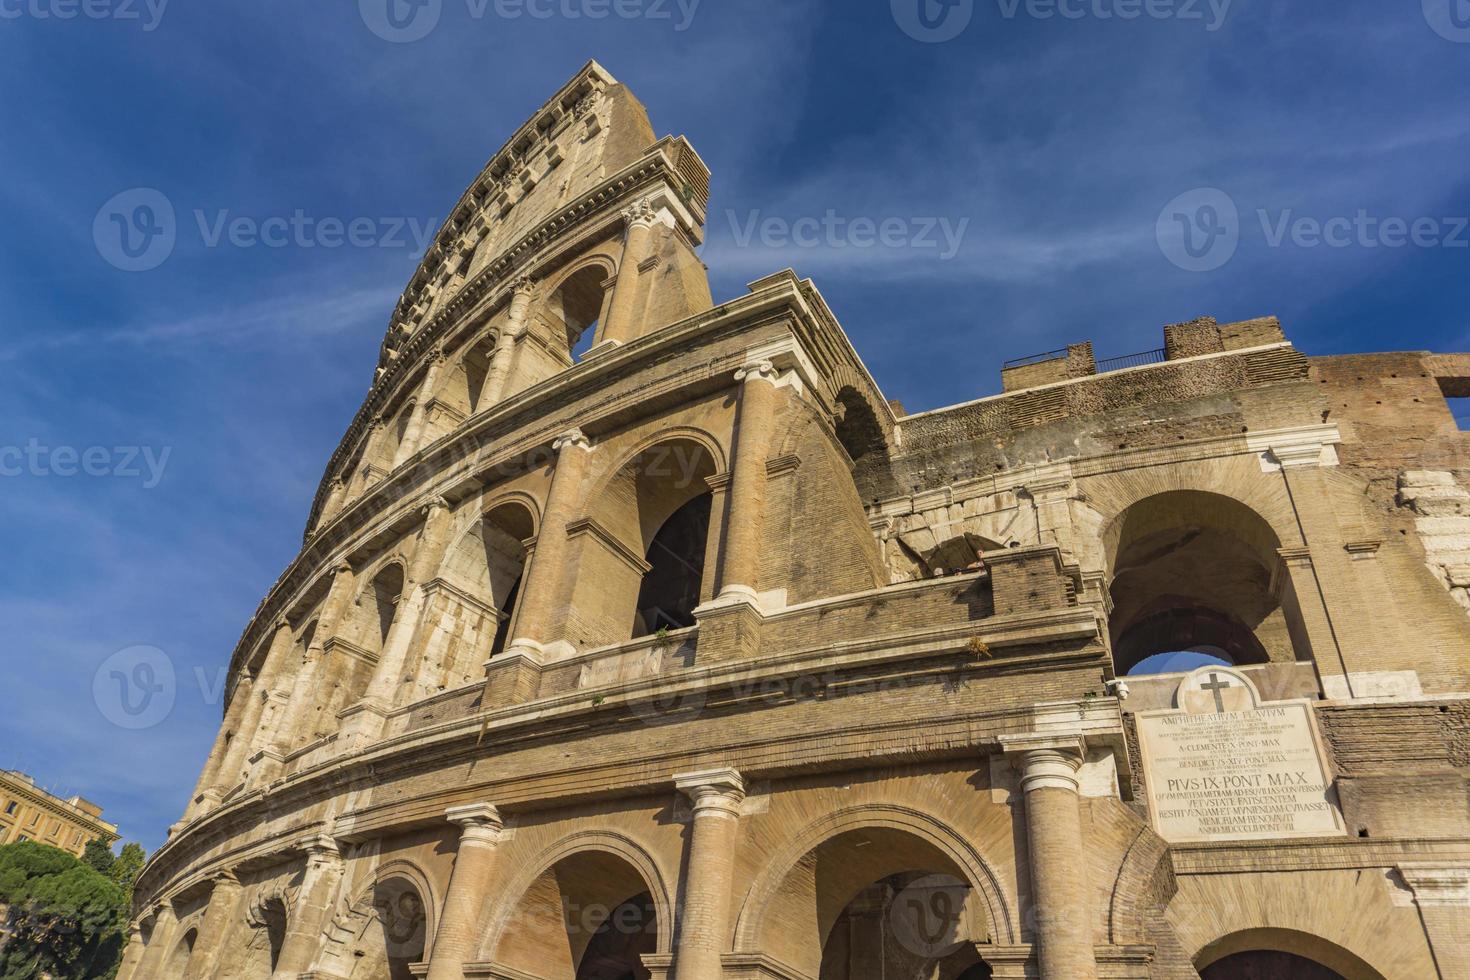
x,y
537,336
850,900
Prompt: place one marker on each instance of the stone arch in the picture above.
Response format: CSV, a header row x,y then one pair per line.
x,y
573,306
585,874
643,547
1197,572
176,960
360,636
386,927
858,429
252,954
1300,953
780,887
463,386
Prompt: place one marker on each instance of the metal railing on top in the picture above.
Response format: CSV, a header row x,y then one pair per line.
x,y
1051,355
1132,360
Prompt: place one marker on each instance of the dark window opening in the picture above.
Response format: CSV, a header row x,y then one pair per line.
x,y
502,632
670,589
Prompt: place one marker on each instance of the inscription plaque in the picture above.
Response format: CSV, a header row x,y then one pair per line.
x,y
1224,766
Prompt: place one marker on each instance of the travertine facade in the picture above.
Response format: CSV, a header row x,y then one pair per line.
x,y
636,636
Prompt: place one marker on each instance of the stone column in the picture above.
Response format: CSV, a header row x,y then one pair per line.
x,y
388,682
704,906
367,467
336,497
255,724
150,967
621,326
1049,766
133,954
544,587
224,898
299,721
1443,897
493,390
415,429
470,884
740,574
215,780
304,930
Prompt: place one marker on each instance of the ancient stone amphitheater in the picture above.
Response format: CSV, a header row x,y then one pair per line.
x,y
638,636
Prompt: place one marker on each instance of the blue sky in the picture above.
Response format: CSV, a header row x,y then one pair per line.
x,y
1055,144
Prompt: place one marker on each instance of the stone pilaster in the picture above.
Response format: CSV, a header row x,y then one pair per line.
x,y
305,717
365,720
269,698
414,431
545,587
1049,766
133,953
217,778
318,889
740,571
493,389
704,906
470,886
159,941
622,325
224,899
1443,897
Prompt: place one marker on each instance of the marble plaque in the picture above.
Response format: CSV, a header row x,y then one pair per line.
x,y
1224,766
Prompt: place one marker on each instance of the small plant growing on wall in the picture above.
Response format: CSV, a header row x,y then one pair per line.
x,y
978,648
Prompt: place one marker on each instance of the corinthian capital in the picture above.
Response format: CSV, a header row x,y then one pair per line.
x,y
641,212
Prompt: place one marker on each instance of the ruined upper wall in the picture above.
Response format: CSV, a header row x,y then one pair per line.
x,y
1209,390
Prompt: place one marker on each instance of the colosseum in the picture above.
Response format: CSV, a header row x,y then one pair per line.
x,y
635,635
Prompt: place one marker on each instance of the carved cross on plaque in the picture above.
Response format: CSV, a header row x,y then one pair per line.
x,y
1215,686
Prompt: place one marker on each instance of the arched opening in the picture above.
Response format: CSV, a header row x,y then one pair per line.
x,y
352,655
381,936
1267,965
1193,583
642,560
670,589
469,381
857,427
476,609
575,310
256,956
1280,954
590,916
877,902
178,958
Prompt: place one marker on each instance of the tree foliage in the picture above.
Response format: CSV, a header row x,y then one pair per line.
x,y
62,916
